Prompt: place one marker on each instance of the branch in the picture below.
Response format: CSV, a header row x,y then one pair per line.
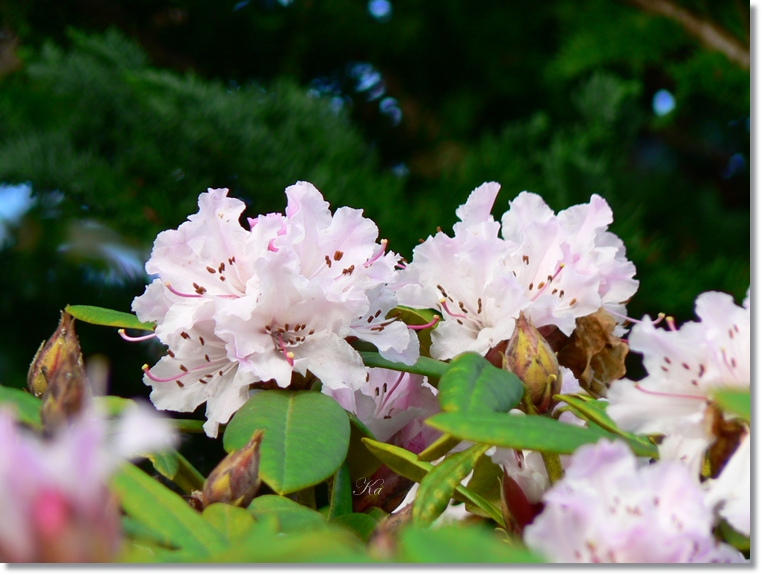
x,y
708,33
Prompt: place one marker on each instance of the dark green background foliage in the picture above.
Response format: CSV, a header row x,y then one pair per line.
x,y
121,112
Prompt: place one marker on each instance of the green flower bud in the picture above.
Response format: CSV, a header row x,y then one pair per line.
x,y
58,374
236,479
533,361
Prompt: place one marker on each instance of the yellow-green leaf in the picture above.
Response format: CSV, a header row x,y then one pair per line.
x,y
108,317
439,484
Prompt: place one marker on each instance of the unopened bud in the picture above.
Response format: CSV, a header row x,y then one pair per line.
x,y
533,361
236,479
49,354
58,374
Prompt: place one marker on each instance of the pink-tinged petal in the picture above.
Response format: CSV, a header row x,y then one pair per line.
x,y
153,304
730,493
524,209
609,509
475,215
333,361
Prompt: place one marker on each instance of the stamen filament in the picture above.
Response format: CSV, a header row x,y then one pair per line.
x,y
138,338
433,322
443,302
182,374
545,287
388,394
680,395
378,254
671,323
181,294
658,319
289,355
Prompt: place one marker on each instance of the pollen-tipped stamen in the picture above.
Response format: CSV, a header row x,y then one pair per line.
x,y
671,323
378,254
289,355
443,303
138,338
546,284
432,323
178,293
182,374
388,394
656,321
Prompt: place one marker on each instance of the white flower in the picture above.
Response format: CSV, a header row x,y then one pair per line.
x,y
554,268
54,502
389,402
607,510
684,367
731,491
237,307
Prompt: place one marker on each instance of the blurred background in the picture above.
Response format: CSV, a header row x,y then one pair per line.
x,y
116,114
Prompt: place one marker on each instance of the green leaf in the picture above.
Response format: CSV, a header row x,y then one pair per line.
x,y
439,484
112,405
139,531
108,317
595,411
188,425
406,464
306,437
472,384
291,517
526,432
735,401
331,545
360,524
432,368
438,448
341,493
733,537
165,463
485,482
458,544
229,520
25,406
163,511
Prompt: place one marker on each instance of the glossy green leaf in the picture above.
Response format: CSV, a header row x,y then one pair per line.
x,y
108,317
25,406
306,436
332,545
595,411
187,425
406,464
526,432
341,493
360,461
165,462
733,537
360,524
229,520
291,517
140,532
734,401
439,484
472,384
432,368
163,511
458,544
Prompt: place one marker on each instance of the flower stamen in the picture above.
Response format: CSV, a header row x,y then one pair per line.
x,y
138,338
664,394
184,372
443,303
378,254
432,323
178,293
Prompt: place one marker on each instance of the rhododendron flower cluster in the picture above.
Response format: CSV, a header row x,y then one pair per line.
x,y
554,268
238,307
606,509
53,496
